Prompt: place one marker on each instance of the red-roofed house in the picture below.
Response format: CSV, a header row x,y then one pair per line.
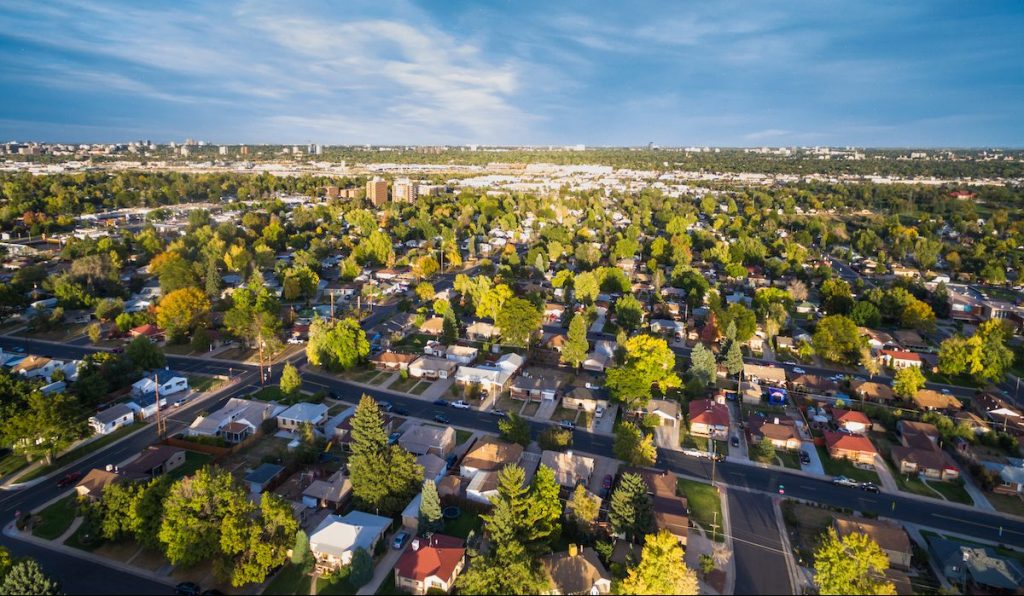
x,y
709,419
897,359
148,330
851,421
430,563
855,448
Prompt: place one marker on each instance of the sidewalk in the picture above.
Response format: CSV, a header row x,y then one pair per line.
x,y
885,475
980,500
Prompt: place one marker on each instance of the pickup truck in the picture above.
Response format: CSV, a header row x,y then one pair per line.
x,y
844,481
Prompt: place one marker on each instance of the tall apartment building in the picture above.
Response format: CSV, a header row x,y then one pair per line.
x,y
377,191
405,191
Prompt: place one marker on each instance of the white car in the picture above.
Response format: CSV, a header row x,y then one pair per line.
x,y
799,370
462,405
599,412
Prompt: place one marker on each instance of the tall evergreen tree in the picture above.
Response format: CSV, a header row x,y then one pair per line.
x,y
546,510
631,511
702,364
27,577
430,508
576,347
734,359
506,521
661,569
382,476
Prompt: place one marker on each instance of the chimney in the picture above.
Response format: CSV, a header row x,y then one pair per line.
x,y
776,420
415,544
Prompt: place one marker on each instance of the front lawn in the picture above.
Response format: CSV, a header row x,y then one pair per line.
x,y
843,467
1007,504
81,451
420,387
268,393
461,436
705,506
789,458
289,580
403,385
337,584
200,383
56,519
412,343
12,462
388,588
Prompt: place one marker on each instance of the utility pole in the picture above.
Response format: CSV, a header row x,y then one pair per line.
x,y
161,424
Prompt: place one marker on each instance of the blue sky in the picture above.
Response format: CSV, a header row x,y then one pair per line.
x,y
908,73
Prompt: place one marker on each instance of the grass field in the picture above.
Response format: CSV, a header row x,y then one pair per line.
x,y
193,461
1007,504
842,467
289,580
203,383
705,505
57,518
80,452
11,462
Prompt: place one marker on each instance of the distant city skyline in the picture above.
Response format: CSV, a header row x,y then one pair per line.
x,y
914,74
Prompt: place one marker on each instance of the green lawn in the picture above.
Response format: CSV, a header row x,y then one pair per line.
x,y
412,343
12,462
1007,504
203,383
193,461
705,505
289,580
338,586
387,587
461,436
78,540
57,518
179,350
842,467
80,452
789,458
420,387
461,526
953,491
403,385
268,393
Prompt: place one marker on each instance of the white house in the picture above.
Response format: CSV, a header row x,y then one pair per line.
x,y
302,413
111,419
461,354
492,378
338,536
235,421
33,366
167,381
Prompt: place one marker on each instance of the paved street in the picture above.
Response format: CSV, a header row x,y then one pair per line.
x,y
757,547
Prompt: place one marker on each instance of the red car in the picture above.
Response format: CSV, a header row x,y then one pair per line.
x,y
69,479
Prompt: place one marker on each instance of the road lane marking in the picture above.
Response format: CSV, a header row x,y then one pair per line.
x,y
1004,529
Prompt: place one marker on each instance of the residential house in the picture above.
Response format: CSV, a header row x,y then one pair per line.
x,y
37,367
919,453
461,354
165,381
999,412
892,538
489,455
535,386
92,484
432,367
670,509
261,478
577,571
433,326
480,331
898,359
763,374
667,411
929,399
814,384
675,329
570,469
600,356
149,331
855,448
236,421
111,419
1010,476
709,419
146,405
780,431
911,340
976,423
482,488
427,438
585,398
338,536
300,414
434,467
851,421
977,568
331,493
872,391
553,312
492,378
393,361
154,461
430,563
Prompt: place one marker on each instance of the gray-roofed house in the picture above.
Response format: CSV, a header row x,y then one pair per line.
x,y
428,438
111,419
302,413
331,493
337,537
261,478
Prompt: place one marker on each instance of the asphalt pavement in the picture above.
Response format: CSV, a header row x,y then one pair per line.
x,y
760,561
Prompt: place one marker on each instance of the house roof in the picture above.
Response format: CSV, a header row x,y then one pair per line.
x,y
854,416
338,534
148,330
872,390
468,351
433,325
394,358
848,442
304,412
491,454
150,458
765,373
663,407
778,432
113,413
706,411
334,489
569,467
574,574
537,382
928,459
419,439
96,480
901,355
30,363
264,473
929,398
437,556
432,464
889,536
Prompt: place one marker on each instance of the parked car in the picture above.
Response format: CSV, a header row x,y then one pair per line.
x,y
799,370
599,412
69,479
441,402
499,412
607,482
735,441
187,589
393,438
442,419
870,487
805,458
399,410
400,539
844,481
451,460
385,405
461,405
569,424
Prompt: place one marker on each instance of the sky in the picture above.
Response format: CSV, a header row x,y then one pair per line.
x,y
872,74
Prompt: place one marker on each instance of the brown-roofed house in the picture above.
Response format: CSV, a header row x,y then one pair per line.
x,y
670,509
929,399
759,373
851,421
154,461
578,571
780,430
489,455
890,537
432,326
570,468
855,448
872,391
92,485
430,563
393,361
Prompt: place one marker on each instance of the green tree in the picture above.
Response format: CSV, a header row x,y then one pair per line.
x,y
648,361
449,328
182,311
995,356
661,569
518,320
583,507
195,511
254,542
43,425
144,354
633,446
300,551
300,282
95,332
490,300
907,381
430,508
866,314
384,478
764,451
576,346
510,516
545,510
586,287
734,359
954,355
514,429
27,577
5,563
291,381
631,512
702,365
508,571
336,345
361,568
108,309
837,339
424,290
629,312
854,564
744,319
555,439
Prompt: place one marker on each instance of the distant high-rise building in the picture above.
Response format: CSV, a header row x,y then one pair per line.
x,y
405,191
244,150
223,150
377,191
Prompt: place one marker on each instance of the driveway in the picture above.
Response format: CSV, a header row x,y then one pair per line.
x,y
739,451
606,424
667,437
546,409
602,467
381,571
815,467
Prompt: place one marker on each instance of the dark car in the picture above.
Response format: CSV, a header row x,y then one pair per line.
x,y
734,441
399,410
607,482
442,419
870,487
385,405
451,460
393,438
187,589
69,479
441,402
805,458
